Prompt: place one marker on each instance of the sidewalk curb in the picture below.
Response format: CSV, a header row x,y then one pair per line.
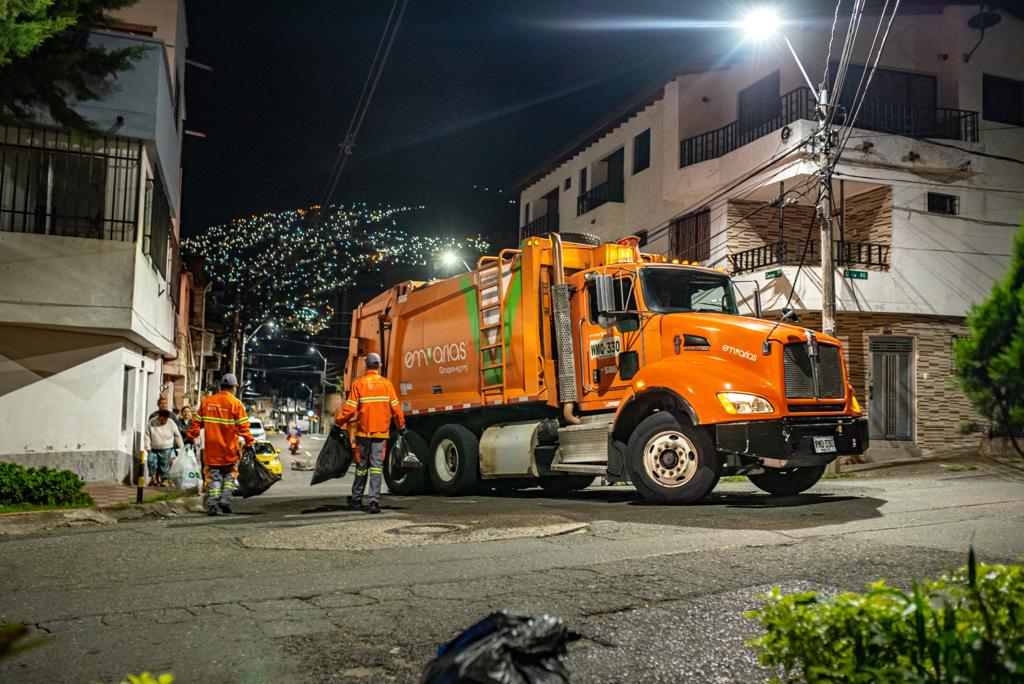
x,y
31,522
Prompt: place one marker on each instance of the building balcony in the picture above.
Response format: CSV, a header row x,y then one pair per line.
x,y
609,191
896,119
870,255
539,226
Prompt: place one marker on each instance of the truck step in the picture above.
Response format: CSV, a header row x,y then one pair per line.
x,y
579,468
491,366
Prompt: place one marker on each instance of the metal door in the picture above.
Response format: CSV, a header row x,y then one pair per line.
x,y
891,408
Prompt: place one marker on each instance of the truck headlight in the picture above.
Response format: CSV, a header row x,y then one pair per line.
x,y
739,403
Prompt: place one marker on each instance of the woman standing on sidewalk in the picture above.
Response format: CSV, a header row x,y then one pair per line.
x,y
162,438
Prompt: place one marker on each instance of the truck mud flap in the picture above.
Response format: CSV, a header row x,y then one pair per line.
x,y
616,459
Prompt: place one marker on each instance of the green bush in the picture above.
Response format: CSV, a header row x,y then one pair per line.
x,y
967,626
40,486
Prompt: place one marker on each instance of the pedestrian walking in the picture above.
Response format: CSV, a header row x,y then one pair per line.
x,y
185,420
373,403
161,439
223,420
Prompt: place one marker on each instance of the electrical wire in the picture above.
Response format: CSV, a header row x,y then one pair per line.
x,y
831,38
387,39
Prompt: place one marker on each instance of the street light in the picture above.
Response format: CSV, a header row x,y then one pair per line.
x,y
452,259
761,24
245,343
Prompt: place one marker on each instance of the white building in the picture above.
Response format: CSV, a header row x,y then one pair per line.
x,y
927,209
88,260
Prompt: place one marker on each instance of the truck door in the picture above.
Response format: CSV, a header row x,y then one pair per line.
x,y
609,354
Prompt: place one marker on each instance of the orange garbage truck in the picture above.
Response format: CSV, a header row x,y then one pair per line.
x,y
568,359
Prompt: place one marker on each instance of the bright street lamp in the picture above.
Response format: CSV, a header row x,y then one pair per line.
x,y
452,259
761,23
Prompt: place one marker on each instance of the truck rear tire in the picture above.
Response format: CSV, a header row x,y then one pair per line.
x,y
671,462
407,482
566,484
787,481
454,461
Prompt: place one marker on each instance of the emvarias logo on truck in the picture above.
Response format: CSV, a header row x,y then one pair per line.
x,y
435,356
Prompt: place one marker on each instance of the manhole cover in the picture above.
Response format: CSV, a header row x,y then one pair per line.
x,y
424,529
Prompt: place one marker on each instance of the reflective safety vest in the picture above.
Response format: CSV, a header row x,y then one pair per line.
x,y
373,398
224,419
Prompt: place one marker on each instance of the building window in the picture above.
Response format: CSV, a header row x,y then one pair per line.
x,y
156,225
642,151
759,104
52,183
690,236
943,204
126,395
568,182
1002,100
583,180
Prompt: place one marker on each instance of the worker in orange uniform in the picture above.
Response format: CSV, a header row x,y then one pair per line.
x,y
225,421
373,402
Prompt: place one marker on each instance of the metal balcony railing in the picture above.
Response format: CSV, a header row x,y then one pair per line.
x,y
845,253
884,117
539,226
609,191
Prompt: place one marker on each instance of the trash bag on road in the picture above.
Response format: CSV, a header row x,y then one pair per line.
x,y
334,459
504,648
406,459
254,477
185,472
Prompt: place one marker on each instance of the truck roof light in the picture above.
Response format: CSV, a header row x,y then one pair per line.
x,y
675,261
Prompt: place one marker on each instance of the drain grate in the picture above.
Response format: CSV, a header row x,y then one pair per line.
x,y
425,529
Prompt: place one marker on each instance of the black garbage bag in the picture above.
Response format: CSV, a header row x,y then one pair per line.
x,y
504,648
334,459
406,459
254,477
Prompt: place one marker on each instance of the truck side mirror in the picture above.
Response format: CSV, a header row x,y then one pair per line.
x,y
629,364
789,314
604,291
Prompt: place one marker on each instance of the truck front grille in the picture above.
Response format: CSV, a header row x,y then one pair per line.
x,y
810,377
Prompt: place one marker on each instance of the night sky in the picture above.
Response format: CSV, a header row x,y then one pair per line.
x,y
475,93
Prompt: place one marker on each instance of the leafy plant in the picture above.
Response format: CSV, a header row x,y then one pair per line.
x,y
47,61
967,626
967,427
13,640
146,678
990,361
44,486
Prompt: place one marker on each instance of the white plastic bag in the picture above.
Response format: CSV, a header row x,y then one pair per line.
x,y
185,471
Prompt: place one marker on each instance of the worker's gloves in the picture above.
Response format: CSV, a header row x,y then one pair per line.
x,y
336,431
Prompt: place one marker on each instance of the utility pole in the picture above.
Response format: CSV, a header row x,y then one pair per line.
x,y
823,158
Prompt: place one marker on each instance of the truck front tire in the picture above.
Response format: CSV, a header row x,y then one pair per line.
x,y
787,481
454,461
670,461
407,482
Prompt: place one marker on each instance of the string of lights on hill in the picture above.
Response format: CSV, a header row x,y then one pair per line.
x,y
285,266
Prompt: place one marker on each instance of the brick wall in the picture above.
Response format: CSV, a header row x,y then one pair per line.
x,y
752,224
939,405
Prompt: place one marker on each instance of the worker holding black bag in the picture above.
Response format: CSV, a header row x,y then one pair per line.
x,y
373,403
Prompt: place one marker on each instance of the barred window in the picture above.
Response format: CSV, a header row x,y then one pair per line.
x,y
690,236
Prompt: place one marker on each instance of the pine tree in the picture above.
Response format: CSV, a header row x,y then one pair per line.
x,y
990,361
47,63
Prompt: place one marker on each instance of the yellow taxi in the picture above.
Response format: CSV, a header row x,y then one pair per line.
x,y
268,454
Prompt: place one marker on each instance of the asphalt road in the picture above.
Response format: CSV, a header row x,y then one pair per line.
x,y
294,588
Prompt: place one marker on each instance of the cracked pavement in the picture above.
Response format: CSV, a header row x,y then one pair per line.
x,y
294,588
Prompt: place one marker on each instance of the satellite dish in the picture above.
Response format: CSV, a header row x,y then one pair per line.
x,y
984,20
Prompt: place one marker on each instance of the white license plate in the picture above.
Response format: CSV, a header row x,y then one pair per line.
x,y
824,445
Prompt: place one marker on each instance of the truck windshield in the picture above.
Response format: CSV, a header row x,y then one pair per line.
x,y
679,290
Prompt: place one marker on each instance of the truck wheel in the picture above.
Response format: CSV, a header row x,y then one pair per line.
x,y
566,484
407,482
670,462
454,461
787,481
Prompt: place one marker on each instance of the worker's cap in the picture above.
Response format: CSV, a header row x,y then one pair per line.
x,y
373,359
229,380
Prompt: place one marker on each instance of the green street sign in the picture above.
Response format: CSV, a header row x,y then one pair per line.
x,y
855,275
768,275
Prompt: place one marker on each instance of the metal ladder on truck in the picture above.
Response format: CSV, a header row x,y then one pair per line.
x,y
493,276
